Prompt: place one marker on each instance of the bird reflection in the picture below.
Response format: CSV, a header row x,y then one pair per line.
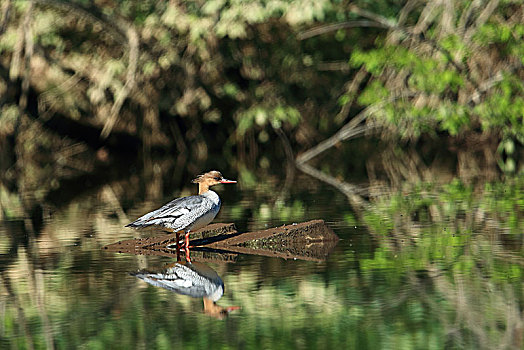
x,y
194,279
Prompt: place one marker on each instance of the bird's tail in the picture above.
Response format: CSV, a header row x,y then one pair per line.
x,y
139,223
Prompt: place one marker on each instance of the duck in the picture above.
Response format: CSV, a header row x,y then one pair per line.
x,y
190,213
194,279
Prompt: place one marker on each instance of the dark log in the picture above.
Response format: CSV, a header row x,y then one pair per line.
x,y
304,232
312,240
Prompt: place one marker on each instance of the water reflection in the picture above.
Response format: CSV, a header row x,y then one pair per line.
x,y
431,259
194,279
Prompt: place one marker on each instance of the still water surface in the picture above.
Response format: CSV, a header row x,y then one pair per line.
x,y
428,266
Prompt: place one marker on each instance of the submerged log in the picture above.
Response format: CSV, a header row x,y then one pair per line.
x,y
304,232
311,240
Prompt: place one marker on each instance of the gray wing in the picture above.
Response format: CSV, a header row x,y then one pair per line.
x,y
177,214
183,280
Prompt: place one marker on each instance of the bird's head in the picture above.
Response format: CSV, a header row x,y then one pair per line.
x,y
212,178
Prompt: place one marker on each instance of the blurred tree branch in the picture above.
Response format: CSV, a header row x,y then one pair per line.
x,y
133,43
6,10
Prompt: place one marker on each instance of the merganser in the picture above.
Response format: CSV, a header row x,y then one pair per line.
x,y
187,213
196,280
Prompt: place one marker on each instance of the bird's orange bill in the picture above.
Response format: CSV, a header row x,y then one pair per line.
x,y
226,181
232,308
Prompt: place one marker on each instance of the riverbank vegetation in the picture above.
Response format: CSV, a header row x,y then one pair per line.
x,y
194,76
88,85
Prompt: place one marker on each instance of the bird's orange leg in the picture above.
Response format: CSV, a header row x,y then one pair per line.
x,y
187,239
186,248
178,244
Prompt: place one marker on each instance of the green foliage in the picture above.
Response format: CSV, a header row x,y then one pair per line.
x,y
508,33
453,118
242,65
374,93
439,80
451,201
504,110
260,117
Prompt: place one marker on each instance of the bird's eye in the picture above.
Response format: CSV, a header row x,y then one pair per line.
x,y
218,178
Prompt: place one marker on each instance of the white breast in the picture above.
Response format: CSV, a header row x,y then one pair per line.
x,y
213,197
210,212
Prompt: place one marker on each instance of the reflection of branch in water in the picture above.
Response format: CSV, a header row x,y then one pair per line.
x,y
22,321
194,279
350,191
110,197
483,310
350,130
290,165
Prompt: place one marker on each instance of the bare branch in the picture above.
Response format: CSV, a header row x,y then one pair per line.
x,y
383,22
481,19
416,35
341,135
6,10
427,15
403,15
489,83
466,15
16,59
92,13
333,27
342,66
351,129
132,37
447,20
48,99
387,23
28,54
351,92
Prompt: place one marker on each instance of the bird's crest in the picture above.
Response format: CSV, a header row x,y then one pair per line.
x,y
211,174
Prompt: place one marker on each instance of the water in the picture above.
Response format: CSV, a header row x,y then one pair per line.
x,y
424,265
